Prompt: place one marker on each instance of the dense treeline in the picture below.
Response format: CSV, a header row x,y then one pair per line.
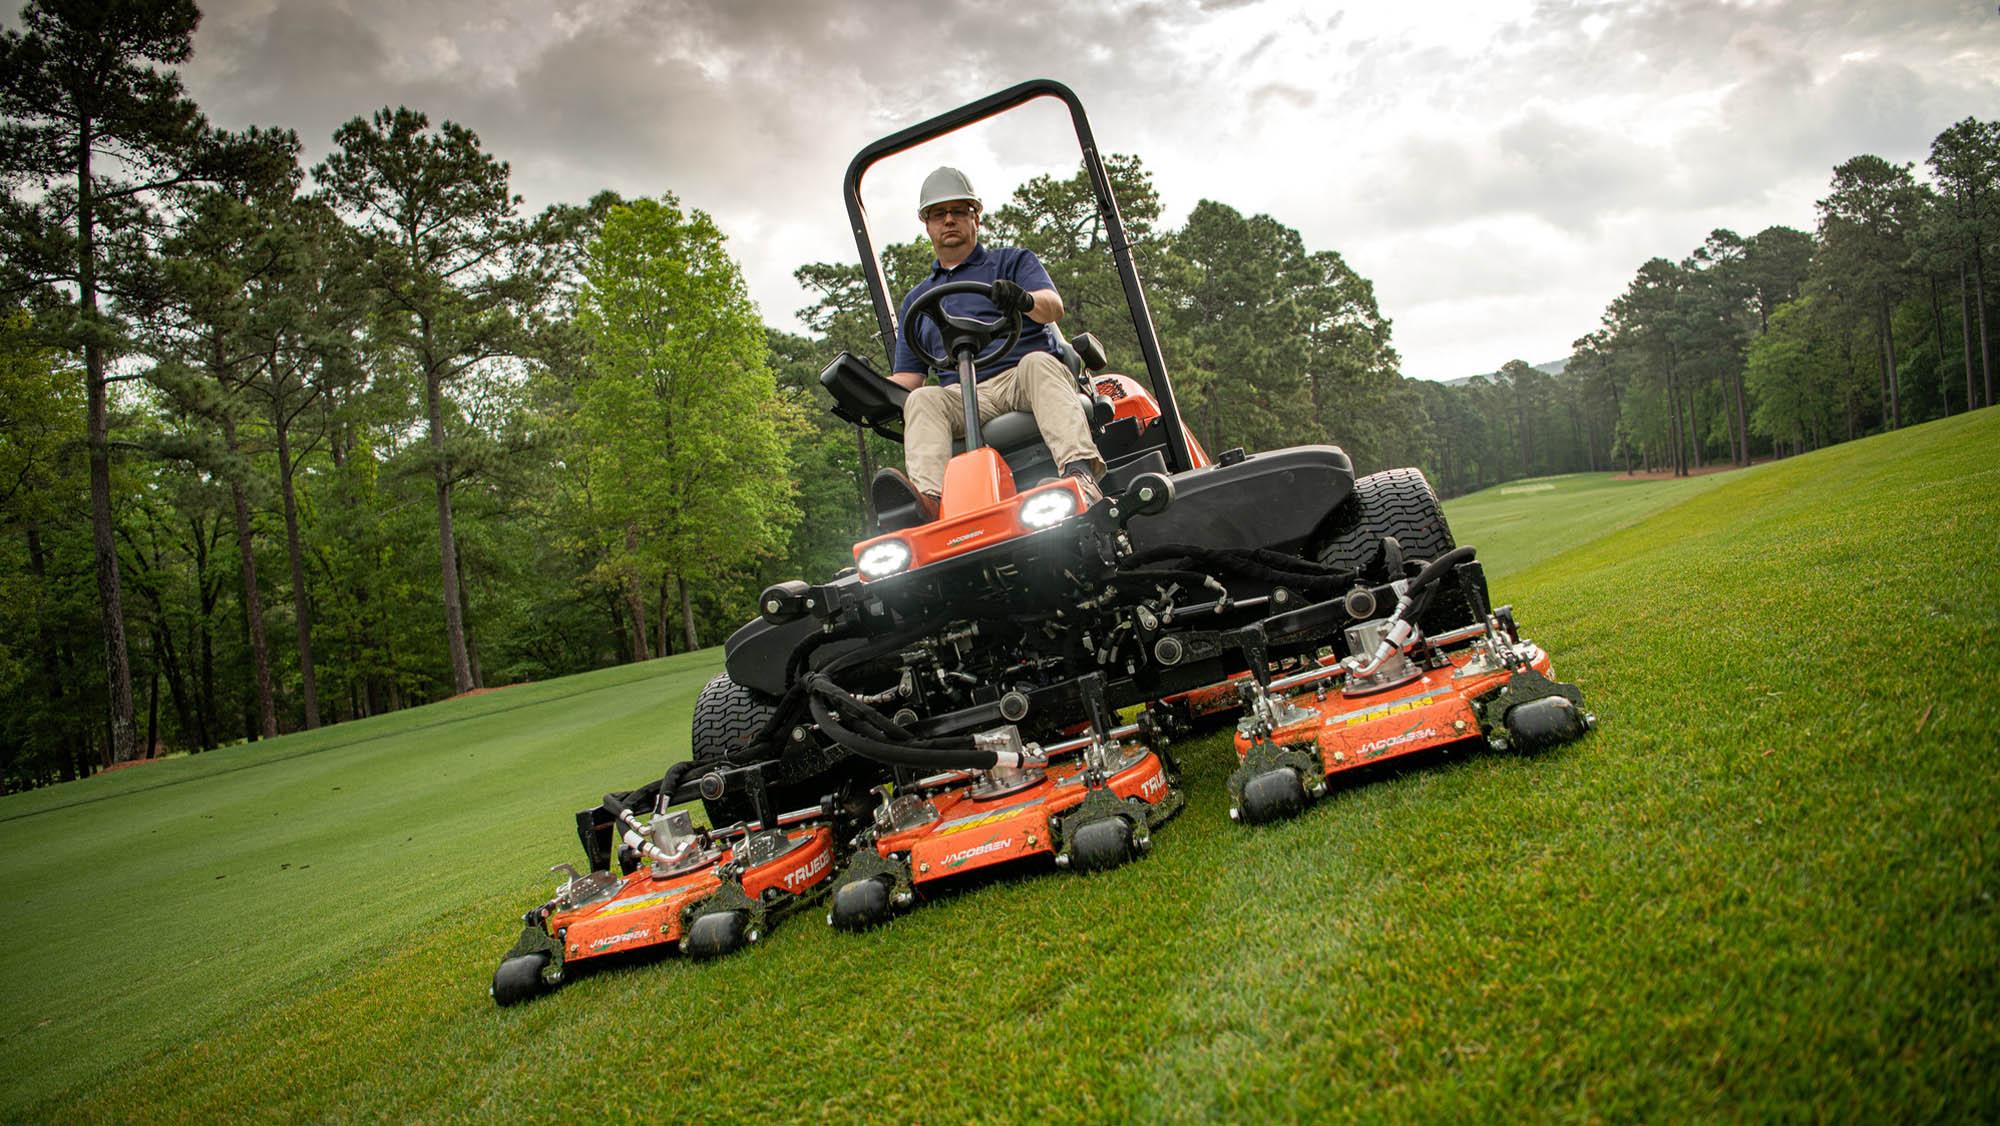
x,y
282,447
1766,345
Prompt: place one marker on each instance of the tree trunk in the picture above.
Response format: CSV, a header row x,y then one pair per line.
x,y
1742,416
471,633
660,618
1965,338
207,705
687,616
1888,331
301,604
454,621
48,649
1674,423
153,704
1937,334
110,595
1985,339
635,603
253,602
1695,460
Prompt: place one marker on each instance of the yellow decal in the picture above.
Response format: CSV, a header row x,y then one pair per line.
x,y
652,900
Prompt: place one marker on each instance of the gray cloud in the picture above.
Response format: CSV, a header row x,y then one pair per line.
x,y
1465,155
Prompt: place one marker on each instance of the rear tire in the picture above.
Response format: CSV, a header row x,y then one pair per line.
x,y
1400,503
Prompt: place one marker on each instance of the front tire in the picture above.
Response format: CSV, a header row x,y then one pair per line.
x,y
727,718
1400,503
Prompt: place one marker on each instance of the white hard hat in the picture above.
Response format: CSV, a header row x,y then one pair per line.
x,y
945,185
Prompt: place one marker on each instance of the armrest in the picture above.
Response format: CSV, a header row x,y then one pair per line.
x,y
863,396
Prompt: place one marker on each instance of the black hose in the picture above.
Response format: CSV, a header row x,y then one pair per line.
x,y
878,725
897,754
1258,563
1436,568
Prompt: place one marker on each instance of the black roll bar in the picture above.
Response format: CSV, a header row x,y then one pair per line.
x,y
1178,458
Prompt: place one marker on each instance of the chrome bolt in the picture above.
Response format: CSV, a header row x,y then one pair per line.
x,y
754,936
1235,814
771,607
924,867
1062,860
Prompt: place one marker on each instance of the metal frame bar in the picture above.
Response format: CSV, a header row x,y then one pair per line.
x,y
1179,458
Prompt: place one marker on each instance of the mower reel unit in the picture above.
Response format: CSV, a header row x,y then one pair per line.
x,y
1090,802
702,892
1399,693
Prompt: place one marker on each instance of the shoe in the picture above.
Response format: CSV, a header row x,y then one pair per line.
x,y
898,502
1080,472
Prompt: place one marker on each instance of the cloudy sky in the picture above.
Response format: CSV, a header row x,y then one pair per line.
x,y
1499,168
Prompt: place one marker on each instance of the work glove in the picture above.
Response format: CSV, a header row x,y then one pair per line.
x,y
1011,298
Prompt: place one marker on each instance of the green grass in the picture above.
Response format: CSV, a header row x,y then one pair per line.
x,y
1520,524
1764,887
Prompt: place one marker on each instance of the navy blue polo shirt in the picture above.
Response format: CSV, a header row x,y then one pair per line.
x,y
1018,266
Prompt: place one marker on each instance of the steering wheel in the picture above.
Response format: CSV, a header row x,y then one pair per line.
x,y
960,333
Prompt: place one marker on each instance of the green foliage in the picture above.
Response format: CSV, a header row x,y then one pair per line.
x,y
678,436
1670,918
397,395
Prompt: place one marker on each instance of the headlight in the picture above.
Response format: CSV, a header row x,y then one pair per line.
x,y
885,558
1044,509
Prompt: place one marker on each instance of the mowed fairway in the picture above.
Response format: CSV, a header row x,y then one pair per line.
x,y
1765,885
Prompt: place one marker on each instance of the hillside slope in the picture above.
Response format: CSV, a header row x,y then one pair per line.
x,y
1765,885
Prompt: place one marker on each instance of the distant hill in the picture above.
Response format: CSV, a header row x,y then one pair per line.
x,y
1553,367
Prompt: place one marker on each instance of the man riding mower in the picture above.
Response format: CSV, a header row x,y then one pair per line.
x,y
1002,681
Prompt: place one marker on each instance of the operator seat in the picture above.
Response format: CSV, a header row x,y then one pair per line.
x,y
1017,438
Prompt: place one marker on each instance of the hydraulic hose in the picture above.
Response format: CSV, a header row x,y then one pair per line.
x,y
1436,568
1254,563
898,754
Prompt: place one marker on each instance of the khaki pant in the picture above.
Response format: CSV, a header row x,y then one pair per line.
x,y
933,415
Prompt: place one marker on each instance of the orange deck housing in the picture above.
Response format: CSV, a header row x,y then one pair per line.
x,y
1431,711
971,833
646,910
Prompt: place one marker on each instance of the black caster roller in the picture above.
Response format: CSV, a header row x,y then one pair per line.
x,y
1544,723
519,979
1101,845
860,905
712,936
1274,795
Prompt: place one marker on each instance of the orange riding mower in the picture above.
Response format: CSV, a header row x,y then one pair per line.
x,y
1003,686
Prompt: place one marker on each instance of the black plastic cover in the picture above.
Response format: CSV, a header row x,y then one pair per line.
x,y
1282,500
